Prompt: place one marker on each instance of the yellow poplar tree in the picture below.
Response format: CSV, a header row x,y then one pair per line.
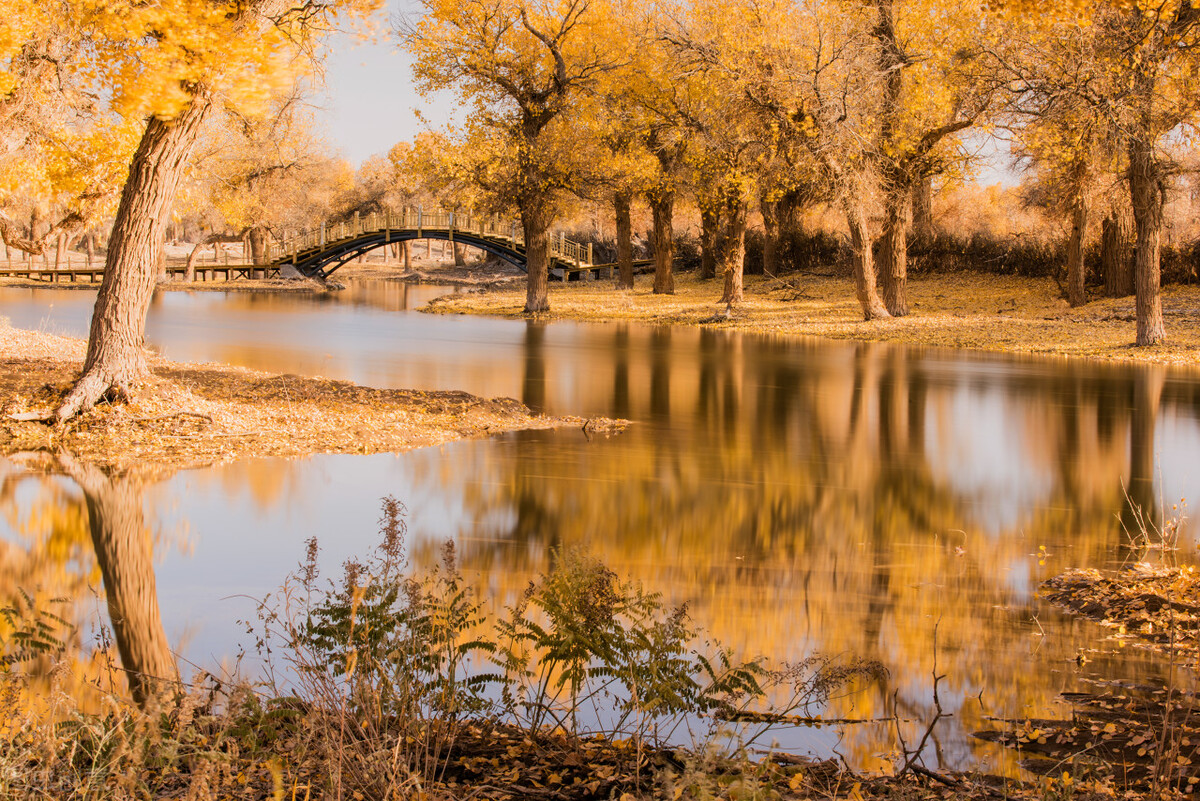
x,y
262,174
171,64
520,65
936,83
806,72
59,152
1139,78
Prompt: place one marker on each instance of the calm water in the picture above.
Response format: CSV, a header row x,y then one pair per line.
x,y
802,497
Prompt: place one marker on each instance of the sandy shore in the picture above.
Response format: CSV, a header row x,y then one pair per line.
x,y
186,415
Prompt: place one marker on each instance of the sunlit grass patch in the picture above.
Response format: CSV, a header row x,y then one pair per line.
x,y
957,310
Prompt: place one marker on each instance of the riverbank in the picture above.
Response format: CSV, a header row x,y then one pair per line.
x,y
189,415
957,310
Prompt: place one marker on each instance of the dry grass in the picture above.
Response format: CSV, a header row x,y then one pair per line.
x,y
188,415
960,310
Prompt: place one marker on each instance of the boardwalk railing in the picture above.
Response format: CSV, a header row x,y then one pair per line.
x,y
445,222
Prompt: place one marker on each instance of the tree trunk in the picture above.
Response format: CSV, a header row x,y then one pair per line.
x,y
662,208
1116,255
535,219
864,263
621,203
407,255
258,245
34,218
1146,194
893,250
733,250
460,259
770,254
893,267
123,552
193,257
1076,270
922,210
115,356
91,248
60,247
710,235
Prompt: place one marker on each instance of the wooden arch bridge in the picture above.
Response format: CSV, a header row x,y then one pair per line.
x,y
318,253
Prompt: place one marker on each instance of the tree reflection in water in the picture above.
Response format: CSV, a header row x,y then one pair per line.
x,y
122,543
112,521
807,497
800,497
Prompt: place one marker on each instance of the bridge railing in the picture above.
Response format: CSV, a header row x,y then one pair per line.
x,y
440,220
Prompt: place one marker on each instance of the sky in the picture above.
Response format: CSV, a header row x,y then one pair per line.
x,y
369,102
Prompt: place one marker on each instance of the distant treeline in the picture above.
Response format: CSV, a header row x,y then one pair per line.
x,y
824,253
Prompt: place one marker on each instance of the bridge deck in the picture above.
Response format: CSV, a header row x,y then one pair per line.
x,y
318,253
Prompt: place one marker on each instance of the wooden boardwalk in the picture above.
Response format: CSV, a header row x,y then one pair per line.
x,y
318,253
207,271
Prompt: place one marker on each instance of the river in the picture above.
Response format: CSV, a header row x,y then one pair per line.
x,y
801,496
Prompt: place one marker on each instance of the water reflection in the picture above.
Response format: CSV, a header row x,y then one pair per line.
x,y
800,496
122,545
75,542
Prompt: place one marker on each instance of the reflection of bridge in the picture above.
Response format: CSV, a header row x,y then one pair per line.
x,y
318,253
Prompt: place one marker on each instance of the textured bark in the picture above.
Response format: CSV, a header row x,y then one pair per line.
x,y
258,245
710,234
621,203
922,210
864,263
1076,270
191,262
770,257
733,250
535,219
893,264
662,209
1116,256
407,255
1146,193
893,250
115,354
123,551
460,257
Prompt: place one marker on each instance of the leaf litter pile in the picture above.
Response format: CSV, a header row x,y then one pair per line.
x,y
186,415
1154,607
1134,736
